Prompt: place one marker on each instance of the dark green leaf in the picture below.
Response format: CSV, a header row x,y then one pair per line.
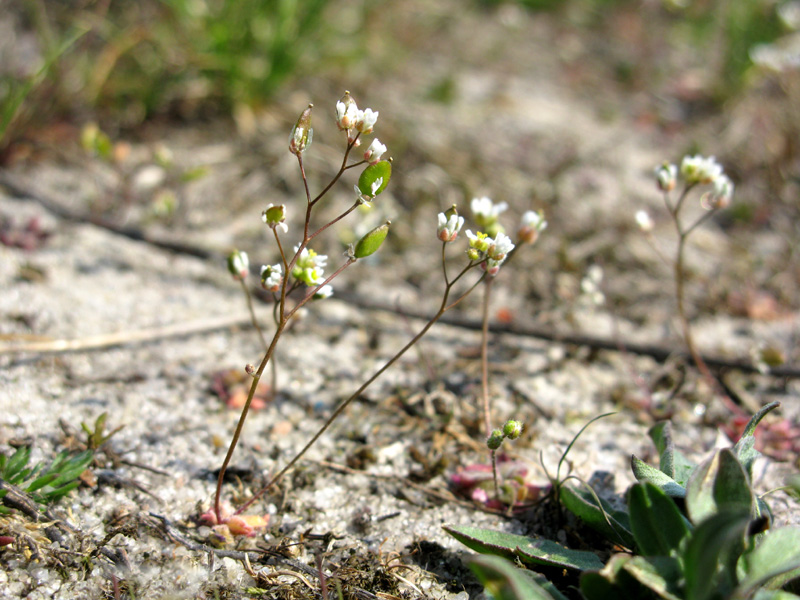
x,y
531,550
672,463
612,523
504,581
745,447
711,554
644,473
612,582
718,484
778,553
657,524
661,574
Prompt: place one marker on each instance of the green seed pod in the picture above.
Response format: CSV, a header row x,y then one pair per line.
x,y
370,243
368,182
495,440
512,429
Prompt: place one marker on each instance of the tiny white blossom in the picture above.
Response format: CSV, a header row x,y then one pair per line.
x,y
346,114
448,228
374,152
484,208
272,277
326,291
365,120
492,266
238,264
644,221
666,176
699,169
500,247
531,225
721,196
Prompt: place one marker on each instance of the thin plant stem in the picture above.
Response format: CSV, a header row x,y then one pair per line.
x,y
487,418
494,475
444,307
680,290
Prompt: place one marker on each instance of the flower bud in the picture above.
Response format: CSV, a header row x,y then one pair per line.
x,y
494,441
370,243
272,277
449,227
666,177
531,225
644,221
274,217
238,264
346,112
512,429
302,133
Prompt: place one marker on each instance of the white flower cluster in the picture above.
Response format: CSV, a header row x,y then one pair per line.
x,y
310,267
697,170
493,250
349,118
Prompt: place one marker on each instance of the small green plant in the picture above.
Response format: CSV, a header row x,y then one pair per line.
x,y
44,485
299,277
696,532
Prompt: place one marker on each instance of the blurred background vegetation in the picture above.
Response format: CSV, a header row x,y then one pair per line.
x,y
123,64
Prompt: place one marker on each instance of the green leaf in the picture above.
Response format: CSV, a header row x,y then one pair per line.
x,y
745,447
672,463
711,554
718,484
370,175
774,595
504,581
661,574
644,473
15,464
612,523
658,526
531,550
778,553
612,582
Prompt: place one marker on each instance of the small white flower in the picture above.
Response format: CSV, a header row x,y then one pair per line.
x,y
500,247
644,221
374,152
484,208
272,277
720,196
666,176
346,114
310,259
448,228
699,169
326,291
365,120
238,264
491,266
531,225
